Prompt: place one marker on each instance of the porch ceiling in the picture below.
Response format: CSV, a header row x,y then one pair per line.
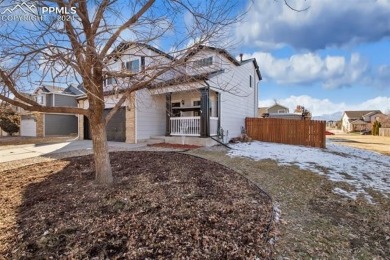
x,y
178,88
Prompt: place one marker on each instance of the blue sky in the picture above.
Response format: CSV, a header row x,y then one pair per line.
x,y
333,57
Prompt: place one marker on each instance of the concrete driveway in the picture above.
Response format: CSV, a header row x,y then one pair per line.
x,y
20,152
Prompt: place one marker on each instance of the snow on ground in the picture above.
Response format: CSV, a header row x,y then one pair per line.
x,y
360,168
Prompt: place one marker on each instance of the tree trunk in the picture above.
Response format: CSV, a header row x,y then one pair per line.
x,y
102,159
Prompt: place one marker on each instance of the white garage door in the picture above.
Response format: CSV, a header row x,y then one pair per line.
x,y
28,127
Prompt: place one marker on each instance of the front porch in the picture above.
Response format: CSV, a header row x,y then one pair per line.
x,y
191,126
193,113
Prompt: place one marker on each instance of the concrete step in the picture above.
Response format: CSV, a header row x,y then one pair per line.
x,y
155,140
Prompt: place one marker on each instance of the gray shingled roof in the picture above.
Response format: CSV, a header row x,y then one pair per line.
x,y
359,114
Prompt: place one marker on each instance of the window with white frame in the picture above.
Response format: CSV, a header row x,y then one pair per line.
x,y
132,66
39,99
203,62
109,81
250,81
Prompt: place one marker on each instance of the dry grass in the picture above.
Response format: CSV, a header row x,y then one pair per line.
x,y
380,144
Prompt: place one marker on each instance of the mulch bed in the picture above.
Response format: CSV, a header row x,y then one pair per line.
x,y
162,205
176,146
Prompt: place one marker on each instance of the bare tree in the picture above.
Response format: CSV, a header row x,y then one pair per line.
x,y
69,41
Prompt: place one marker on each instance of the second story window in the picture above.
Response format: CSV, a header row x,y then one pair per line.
x,y
132,66
250,81
40,100
203,62
109,81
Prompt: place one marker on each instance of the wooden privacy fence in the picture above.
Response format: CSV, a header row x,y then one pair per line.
x,y
384,131
287,131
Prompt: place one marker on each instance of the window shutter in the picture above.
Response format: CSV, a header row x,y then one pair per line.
x,y
142,63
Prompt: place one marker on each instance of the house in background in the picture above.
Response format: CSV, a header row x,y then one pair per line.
x,y
279,111
46,124
212,91
360,120
275,109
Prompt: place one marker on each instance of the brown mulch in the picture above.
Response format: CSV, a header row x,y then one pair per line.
x,y
163,205
176,146
315,223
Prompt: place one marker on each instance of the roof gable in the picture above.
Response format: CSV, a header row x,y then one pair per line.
x,y
278,106
122,47
227,55
359,113
214,49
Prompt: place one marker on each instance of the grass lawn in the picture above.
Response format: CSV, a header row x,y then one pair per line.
x,y
162,206
380,144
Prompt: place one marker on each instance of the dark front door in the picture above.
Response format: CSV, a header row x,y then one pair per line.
x,y
87,130
116,127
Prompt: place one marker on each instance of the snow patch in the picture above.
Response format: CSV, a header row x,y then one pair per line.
x,y
360,168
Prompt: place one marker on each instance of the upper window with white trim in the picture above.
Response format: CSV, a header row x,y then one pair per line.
x,y
132,66
39,99
203,62
110,81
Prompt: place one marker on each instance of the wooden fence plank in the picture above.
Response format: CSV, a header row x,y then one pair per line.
x,y
287,131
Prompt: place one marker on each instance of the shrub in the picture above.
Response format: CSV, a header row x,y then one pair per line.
x,y
8,126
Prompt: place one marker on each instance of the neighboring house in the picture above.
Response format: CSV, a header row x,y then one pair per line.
x,y
275,109
46,124
360,120
213,91
279,111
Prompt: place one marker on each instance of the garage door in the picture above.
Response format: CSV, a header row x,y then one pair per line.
x,y
28,127
60,124
116,128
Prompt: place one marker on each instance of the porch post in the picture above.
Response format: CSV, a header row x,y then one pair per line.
x,y
168,104
219,109
204,112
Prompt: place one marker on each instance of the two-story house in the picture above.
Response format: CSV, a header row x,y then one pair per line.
x,y
359,120
211,93
49,124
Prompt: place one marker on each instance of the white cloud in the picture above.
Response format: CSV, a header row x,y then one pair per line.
x,y
325,106
327,23
310,68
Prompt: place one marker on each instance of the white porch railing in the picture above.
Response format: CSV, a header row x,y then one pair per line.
x,y
189,126
213,126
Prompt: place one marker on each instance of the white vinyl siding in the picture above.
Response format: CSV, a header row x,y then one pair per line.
x,y
238,101
151,115
28,127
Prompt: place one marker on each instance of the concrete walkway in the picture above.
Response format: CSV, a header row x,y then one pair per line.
x,y
20,152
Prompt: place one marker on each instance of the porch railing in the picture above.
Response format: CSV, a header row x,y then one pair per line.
x,y
213,126
189,126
